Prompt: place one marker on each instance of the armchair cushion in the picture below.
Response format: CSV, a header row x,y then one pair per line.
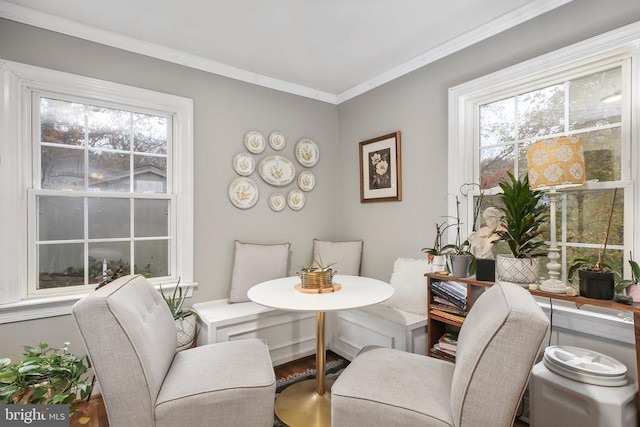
x,y
239,371
346,254
253,264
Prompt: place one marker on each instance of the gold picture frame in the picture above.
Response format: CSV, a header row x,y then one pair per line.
x,y
380,169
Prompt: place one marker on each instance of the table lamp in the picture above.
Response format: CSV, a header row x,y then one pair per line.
x,y
554,163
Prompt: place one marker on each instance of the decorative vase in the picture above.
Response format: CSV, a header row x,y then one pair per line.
x,y
186,330
439,263
486,269
596,284
634,292
460,265
522,271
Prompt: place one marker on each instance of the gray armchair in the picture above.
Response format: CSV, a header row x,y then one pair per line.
x,y
131,339
497,348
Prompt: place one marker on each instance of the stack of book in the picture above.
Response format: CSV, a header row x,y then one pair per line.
x,y
449,300
447,346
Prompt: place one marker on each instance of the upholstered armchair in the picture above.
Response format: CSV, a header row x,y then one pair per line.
x,y
497,347
131,339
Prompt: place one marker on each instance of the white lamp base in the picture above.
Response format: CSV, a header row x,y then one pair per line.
x,y
554,286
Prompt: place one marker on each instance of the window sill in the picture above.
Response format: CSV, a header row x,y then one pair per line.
x,y
41,308
602,324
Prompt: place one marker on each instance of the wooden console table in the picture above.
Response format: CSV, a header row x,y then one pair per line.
x,y
471,284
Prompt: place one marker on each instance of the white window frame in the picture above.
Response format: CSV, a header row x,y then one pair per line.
x,y
17,82
613,47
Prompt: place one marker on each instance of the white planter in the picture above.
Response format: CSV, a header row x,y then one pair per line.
x,y
523,271
186,330
439,263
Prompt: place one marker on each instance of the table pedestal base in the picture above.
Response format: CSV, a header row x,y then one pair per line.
x,y
299,405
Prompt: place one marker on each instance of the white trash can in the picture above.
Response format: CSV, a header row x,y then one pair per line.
x,y
577,387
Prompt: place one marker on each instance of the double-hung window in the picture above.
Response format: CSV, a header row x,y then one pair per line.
x,y
104,182
588,90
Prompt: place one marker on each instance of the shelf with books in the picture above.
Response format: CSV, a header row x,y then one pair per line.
x,y
448,301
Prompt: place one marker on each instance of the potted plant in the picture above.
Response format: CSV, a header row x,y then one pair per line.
x,y
317,275
45,376
596,280
185,320
459,253
632,287
522,221
436,255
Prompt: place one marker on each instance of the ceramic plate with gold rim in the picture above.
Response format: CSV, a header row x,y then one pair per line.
x,y
277,170
307,152
295,199
244,164
243,193
277,201
277,140
254,141
306,181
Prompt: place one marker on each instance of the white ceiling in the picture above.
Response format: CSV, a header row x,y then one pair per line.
x,y
331,50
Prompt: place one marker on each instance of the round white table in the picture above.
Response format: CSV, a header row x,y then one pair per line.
x,y
307,403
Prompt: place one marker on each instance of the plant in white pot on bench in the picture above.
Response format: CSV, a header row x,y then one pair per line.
x,y
185,319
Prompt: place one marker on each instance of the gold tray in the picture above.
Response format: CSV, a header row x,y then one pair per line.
x,y
333,288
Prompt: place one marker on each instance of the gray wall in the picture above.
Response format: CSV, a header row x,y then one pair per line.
x,y
415,104
224,110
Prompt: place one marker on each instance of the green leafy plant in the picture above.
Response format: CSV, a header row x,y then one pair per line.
x,y
318,265
524,216
175,301
635,276
44,376
437,248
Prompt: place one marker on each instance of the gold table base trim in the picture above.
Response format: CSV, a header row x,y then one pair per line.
x,y
299,405
326,290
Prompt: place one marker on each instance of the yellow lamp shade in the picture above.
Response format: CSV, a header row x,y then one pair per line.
x,y
554,162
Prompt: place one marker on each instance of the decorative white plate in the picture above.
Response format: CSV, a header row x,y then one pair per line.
x,y
243,193
254,141
277,201
244,164
277,140
307,152
306,181
295,199
277,170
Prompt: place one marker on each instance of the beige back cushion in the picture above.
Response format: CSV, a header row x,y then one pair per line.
x,y
253,264
497,348
347,255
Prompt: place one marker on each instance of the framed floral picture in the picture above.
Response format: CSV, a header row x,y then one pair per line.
x,y
380,171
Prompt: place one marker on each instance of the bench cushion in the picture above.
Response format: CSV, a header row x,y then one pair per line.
x,y
409,285
253,264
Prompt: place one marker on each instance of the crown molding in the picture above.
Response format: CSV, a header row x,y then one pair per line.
x,y
46,21
491,28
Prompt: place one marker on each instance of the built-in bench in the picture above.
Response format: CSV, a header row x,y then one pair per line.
x,y
378,325
290,335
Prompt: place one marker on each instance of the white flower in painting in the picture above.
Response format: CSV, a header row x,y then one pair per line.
x,y
375,159
381,167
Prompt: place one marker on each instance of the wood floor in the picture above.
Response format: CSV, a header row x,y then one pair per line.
x,y
93,413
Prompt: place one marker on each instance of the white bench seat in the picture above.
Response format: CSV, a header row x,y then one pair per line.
x,y
289,335
378,325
